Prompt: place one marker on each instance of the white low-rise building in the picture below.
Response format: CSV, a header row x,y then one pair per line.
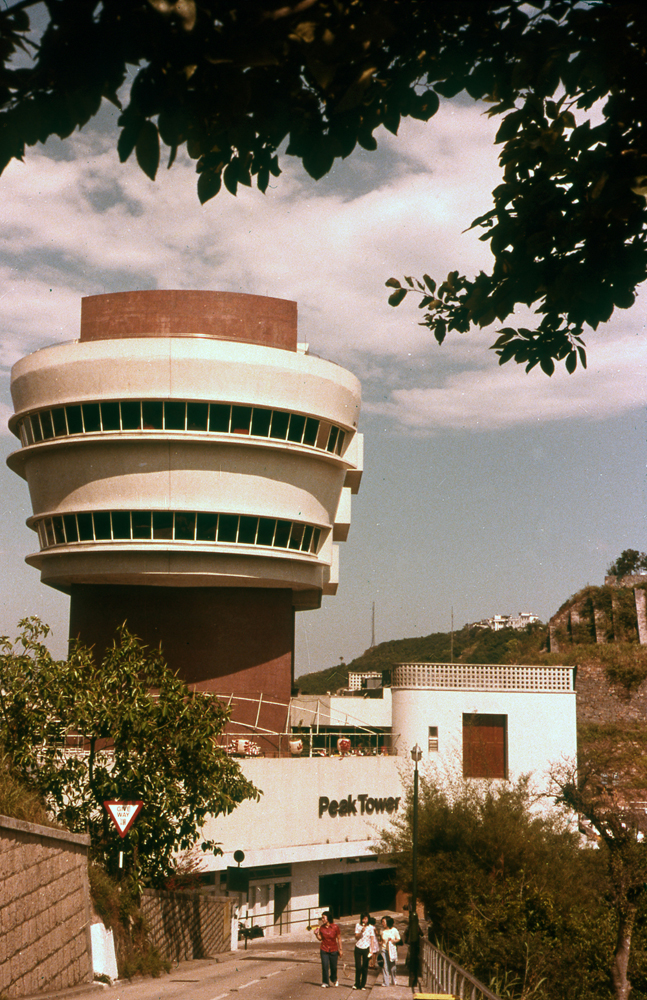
x,y
310,841
486,720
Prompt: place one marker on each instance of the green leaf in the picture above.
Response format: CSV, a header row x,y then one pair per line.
x,y
147,149
430,283
424,106
396,297
230,177
127,140
509,126
209,184
440,330
392,283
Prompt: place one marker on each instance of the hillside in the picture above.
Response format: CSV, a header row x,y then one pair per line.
x,y
471,645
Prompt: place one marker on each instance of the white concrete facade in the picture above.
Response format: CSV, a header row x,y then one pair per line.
x,y
336,710
292,823
537,702
303,481
317,817
321,817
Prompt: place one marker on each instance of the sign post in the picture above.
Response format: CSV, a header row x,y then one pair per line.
x,y
123,815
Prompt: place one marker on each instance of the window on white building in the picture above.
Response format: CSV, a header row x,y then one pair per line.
x,y
485,746
433,739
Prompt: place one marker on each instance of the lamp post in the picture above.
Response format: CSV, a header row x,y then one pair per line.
x,y
416,755
414,930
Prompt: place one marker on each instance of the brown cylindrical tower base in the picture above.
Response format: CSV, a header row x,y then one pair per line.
x,y
231,641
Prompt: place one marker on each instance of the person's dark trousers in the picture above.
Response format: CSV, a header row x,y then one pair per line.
x,y
414,963
329,967
362,956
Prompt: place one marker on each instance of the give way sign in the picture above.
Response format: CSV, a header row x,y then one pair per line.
x,y
123,814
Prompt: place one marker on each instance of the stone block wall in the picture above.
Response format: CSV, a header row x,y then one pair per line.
x,y
613,613
599,701
44,909
186,925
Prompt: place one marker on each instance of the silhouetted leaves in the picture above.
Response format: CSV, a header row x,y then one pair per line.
x,y
233,83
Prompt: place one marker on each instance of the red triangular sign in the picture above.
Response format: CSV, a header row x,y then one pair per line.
x,y
123,814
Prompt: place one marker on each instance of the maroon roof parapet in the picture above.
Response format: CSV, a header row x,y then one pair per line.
x,y
252,319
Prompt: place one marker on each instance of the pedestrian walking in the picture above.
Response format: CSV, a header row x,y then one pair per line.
x,y
364,935
390,941
375,945
329,936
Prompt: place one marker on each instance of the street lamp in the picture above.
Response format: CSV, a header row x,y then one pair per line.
x,y
414,930
416,755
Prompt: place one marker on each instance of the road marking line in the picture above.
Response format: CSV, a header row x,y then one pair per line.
x,y
250,983
221,996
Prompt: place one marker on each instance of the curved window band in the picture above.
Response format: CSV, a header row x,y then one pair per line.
x,y
176,526
177,415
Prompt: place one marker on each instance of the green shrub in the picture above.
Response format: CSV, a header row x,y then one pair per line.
x,y
17,799
117,903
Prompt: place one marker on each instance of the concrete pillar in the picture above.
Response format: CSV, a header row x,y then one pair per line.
x,y
640,598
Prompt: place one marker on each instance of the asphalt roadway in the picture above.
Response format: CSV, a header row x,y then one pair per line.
x,y
270,969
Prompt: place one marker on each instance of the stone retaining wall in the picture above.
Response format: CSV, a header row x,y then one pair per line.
x,y
44,909
186,925
599,701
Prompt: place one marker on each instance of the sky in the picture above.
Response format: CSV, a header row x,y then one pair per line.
x,y
485,490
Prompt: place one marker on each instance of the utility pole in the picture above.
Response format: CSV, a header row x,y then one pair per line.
x,y
451,641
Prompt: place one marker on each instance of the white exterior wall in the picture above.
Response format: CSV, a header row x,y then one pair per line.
x,y
285,825
190,471
541,725
329,710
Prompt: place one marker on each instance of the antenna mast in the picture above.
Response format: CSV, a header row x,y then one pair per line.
x,y
451,643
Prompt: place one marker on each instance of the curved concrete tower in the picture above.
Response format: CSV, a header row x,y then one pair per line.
x,y
190,469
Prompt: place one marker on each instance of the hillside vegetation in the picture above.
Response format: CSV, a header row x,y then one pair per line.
x,y
470,645
624,663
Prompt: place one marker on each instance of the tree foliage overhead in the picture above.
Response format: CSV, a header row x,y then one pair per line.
x,y
234,83
128,729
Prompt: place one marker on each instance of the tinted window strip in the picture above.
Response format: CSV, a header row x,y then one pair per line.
x,y
180,526
177,415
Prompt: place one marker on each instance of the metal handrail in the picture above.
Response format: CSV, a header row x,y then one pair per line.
x,y
288,919
439,971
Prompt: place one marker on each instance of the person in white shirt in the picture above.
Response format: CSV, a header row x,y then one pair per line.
x,y
364,937
390,940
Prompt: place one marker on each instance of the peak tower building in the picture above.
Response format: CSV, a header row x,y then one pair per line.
x,y
190,468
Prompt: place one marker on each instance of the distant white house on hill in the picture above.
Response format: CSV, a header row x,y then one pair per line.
x,y
497,622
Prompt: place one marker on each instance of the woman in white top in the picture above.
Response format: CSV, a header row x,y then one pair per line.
x,y
364,936
390,940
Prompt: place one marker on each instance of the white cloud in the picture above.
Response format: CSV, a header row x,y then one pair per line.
x,y
488,399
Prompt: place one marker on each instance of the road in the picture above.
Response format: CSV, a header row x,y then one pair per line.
x,y
278,971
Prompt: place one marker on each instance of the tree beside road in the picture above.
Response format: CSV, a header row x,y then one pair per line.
x,y
82,733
